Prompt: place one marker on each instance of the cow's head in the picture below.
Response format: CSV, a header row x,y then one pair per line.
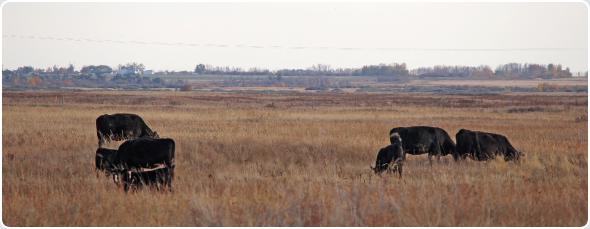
x,y
104,160
379,168
380,165
514,156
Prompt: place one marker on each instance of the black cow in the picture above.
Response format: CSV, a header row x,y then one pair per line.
x,y
425,139
483,146
145,153
386,155
143,161
119,127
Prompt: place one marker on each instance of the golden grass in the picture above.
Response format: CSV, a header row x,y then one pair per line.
x,y
303,163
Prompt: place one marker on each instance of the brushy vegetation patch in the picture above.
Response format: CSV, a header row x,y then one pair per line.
x,y
528,109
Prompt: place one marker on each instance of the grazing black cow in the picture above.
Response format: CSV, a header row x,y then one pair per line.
x,y
143,161
119,127
425,139
483,146
393,152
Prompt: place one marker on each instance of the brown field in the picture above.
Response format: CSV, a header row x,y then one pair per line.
x,y
296,159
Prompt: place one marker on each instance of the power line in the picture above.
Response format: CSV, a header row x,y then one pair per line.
x,y
184,44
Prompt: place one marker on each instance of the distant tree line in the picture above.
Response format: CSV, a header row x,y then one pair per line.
x,y
510,70
217,70
454,71
130,74
133,74
516,70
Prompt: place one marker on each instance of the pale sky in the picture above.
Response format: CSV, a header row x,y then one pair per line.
x,y
177,36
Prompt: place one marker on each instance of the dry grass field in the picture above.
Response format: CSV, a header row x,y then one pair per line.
x,y
295,159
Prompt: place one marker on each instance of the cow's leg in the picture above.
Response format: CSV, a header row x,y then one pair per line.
x,y
170,177
127,180
430,158
116,178
166,180
160,180
399,170
455,156
126,184
435,149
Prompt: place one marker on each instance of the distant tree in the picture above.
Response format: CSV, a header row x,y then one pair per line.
x,y
97,70
320,68
200,69
26,70
6,73
130,69
70,69
394,69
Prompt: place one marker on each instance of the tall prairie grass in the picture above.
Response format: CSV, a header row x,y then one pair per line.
x,y
304,161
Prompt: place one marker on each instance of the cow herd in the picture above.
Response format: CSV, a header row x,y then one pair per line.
x,y
435,141
146,159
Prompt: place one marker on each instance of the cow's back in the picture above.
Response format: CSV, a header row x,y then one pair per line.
x,y
484,145
146,152
412,137
120,126
420,139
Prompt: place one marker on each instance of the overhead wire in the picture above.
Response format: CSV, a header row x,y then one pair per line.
x,y
208,45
